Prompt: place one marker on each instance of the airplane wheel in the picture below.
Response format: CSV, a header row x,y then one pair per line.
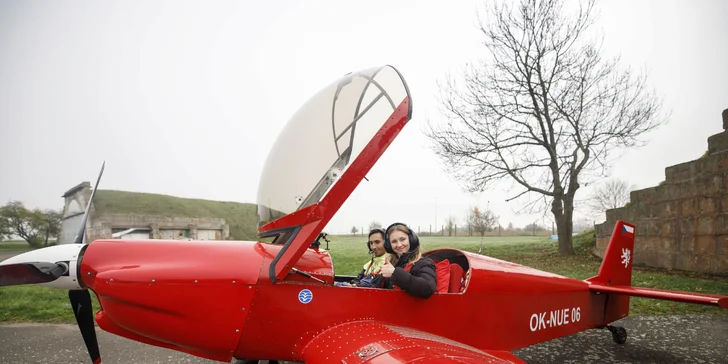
x,y
619,334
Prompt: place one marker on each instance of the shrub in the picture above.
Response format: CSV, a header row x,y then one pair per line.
x,y
585,241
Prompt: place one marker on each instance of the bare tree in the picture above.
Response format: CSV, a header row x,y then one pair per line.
x,y
450,223
481,220
534,228
375,225
612,194
583,224
467,223
543,111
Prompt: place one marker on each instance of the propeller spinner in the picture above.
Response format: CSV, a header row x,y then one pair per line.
x,y
57,267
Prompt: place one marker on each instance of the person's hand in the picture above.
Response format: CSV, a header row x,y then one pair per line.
x,y
387,269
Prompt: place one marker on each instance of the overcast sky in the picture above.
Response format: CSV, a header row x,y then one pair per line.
x,y
186,97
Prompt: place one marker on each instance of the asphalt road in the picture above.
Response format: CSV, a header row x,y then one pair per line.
x,y
652,339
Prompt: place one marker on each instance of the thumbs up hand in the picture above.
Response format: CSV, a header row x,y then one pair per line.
x,y
387,269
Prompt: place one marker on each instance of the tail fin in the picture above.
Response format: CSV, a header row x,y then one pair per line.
x,y
615,279
616,268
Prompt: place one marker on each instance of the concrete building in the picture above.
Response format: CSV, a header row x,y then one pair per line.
x,y
109,224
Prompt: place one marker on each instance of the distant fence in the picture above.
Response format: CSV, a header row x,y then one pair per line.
x,y
460,232
463,232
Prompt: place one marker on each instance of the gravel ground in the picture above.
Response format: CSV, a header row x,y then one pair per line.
x,y
652,339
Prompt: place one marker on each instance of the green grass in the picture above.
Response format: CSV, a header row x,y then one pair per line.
x,y
349,254
37,304
241,217
14,246
40,304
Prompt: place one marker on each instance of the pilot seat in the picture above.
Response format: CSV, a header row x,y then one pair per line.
x,y
451,270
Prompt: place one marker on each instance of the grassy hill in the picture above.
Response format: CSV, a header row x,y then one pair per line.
x,y
242,217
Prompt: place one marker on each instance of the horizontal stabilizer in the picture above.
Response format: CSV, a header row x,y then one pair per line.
x,y
688,297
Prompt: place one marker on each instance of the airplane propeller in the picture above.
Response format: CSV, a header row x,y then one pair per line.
x,y
30,273
15,271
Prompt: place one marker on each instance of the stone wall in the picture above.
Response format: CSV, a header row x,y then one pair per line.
x,y
76,199
683,222
74,205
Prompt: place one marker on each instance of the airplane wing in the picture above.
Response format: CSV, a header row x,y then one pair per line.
x,y
615,277
663,294
373,342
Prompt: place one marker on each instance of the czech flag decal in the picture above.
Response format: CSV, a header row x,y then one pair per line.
x,y
629,230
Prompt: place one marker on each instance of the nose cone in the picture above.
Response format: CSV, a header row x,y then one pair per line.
x,y
186,295
56,253
54,266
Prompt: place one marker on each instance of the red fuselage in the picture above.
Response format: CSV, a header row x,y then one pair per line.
x,y
215,299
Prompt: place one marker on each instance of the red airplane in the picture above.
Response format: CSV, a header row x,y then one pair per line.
x,y
253,300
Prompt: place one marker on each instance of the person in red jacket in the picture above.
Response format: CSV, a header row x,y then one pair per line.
x,y
407,269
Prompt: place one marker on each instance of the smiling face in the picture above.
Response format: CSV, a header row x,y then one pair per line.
x,y
376,243
400,242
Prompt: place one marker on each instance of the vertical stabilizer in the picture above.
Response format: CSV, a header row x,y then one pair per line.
x,y
616,270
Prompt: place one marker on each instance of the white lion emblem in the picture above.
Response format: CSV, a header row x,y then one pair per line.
x,y
625,257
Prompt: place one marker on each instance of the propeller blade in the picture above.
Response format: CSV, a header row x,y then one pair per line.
x,y
81,299
30,273
82,229
81,305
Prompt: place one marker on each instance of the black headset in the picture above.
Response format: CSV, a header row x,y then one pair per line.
x,y
413,239
374,231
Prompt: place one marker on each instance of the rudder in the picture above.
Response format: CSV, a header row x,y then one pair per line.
x,y
616,270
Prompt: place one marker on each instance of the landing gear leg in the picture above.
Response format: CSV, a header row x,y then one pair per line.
x,y
619,334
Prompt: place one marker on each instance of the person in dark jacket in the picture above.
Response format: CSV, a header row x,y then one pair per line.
x,y
407,269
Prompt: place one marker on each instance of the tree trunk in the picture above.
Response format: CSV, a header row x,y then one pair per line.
x,y
563,211
48,232
569,225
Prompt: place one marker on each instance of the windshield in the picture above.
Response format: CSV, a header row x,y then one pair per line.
x,y
323,136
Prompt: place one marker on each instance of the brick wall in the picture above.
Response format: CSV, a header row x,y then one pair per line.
x,y
683,222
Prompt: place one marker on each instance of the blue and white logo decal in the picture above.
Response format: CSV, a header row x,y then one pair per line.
x,y
305,296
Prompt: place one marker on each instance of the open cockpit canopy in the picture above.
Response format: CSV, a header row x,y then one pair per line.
x,y
323,137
